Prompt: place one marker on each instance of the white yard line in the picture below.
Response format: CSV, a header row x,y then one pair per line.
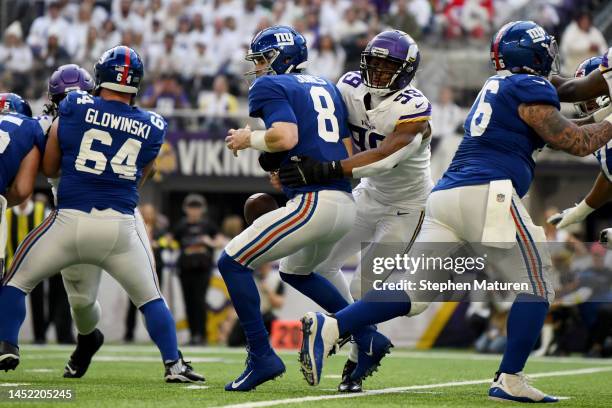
x,y
393,390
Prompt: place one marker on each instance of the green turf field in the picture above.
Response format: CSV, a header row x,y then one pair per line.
x,y
131,376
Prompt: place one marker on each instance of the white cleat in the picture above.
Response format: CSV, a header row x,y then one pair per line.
x,y
516,387
320,334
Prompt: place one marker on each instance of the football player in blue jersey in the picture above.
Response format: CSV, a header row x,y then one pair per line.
x,y
478,202
21,144
304,115
102,147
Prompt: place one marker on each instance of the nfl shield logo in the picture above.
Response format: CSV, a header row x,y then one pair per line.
x,y
501,198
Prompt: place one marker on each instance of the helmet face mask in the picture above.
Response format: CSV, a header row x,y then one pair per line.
x,y
263,63
379,72
587,108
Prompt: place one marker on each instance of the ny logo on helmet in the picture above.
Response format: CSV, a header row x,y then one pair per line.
x,y
537,34
284,38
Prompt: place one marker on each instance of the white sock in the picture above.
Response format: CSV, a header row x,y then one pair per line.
x,y
353,352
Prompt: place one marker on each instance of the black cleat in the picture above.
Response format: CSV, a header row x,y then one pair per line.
x,y
9,356
348,385
87,346
180,371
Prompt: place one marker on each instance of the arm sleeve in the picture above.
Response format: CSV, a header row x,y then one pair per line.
x,y
268,101
535,89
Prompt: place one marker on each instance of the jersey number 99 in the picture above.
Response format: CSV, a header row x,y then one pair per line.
x,y
325,114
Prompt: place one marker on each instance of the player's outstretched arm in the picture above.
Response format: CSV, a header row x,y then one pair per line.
x,y
53,154
581,89
23,184
403,142
600,194
562,134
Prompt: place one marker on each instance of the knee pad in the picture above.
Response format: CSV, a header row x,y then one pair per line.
x,y
80,301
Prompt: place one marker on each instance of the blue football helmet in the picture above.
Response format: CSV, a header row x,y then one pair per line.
x,y
283,48
119,69
588,107
389,62
11,102
525,47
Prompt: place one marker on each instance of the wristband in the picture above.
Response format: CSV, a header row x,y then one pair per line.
x,y
582,209
258,140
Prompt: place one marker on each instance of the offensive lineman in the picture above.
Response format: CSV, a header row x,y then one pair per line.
x,y
21,145
389,120
80,281
303,232
478,201
102,146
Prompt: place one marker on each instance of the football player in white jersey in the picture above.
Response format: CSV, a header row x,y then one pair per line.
x,y
591,87
389,122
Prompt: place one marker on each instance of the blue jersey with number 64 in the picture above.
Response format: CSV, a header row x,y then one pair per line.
x,y
497,143
105,146
315,105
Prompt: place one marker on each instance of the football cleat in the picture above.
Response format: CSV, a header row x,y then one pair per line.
x,y
9,356
372,346
319,337
516,387
348,385
258,371
87,346
181,371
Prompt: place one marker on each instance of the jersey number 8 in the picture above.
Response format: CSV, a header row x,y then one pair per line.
x,y
326,114
123,163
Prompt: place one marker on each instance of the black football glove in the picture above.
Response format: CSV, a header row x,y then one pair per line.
x,y
303,171
271,161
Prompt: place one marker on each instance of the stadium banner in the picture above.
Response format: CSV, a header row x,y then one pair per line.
x,y
197,154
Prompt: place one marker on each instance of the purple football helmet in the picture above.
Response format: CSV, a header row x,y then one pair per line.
x,y
69,77
389,62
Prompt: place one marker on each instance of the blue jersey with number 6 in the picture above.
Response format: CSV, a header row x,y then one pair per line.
x,y
315,105
105,146
18,135
497,143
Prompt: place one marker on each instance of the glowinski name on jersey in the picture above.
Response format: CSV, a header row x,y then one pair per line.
x,y
408,184
117,122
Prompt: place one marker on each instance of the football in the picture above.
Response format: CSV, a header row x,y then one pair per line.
x,y
257,205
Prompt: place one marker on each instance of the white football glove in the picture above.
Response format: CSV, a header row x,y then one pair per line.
x,y
602,113
570,216
605,238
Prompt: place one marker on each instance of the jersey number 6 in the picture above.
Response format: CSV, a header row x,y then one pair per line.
x,y
123,163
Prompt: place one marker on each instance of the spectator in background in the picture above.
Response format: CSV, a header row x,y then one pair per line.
x,y
580,41
109,34
125,18
272,294
349,31
183,38
53,55
475,19
232,226
165,95
326,59
51,21
196,236
217,105
15,58
447,116
402,19
76,35
167,58
92,48
565,240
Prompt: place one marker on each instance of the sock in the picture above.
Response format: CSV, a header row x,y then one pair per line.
x,y
317,288
161,328
353,352
336,278
86,318
524,324
12,304
245,298
376,306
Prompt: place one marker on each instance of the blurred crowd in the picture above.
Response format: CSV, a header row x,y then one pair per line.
x,y
194,49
